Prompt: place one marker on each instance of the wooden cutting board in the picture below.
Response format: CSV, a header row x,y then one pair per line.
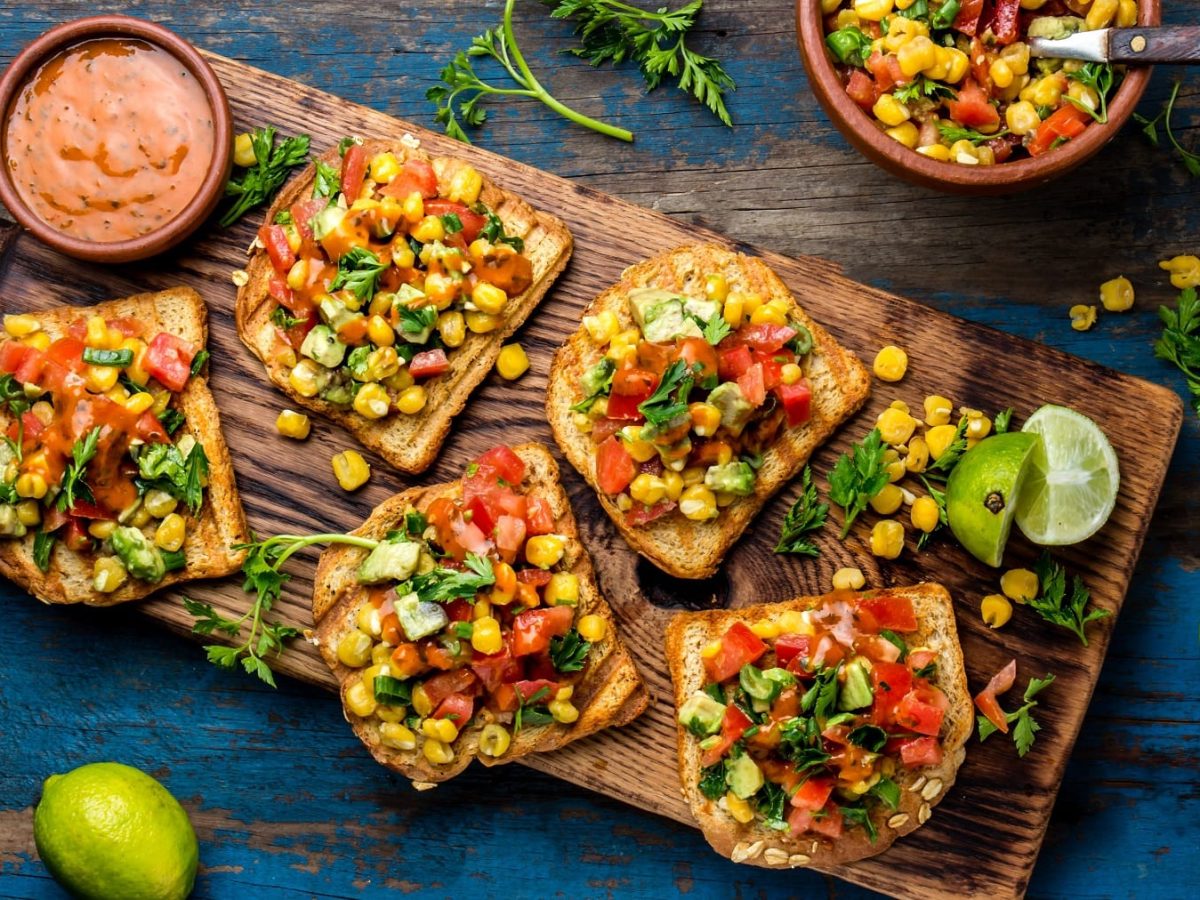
x,y
985,836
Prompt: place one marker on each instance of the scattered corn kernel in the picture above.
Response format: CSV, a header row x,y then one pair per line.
x,y
939,438
891,363
887,538
512,362
896,426
918,455
494,740
243,151
890,111
887,501
1019,584
350,470
292,424
592,628
996,610
697,502
1083,317
1117,294
848,580
925,514
1185,271
564,711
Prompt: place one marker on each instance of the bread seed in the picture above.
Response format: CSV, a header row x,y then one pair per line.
x,y
898,820
932,788
739,852
799,859
776,857
754,849
239,277
923,813
918,784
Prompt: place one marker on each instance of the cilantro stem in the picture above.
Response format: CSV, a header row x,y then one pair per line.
x,y
299,542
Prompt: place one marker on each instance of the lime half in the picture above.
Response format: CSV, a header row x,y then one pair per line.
x,y
982,492
1073,479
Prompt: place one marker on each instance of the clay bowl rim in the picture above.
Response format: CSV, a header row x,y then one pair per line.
x,y
859,129
197,210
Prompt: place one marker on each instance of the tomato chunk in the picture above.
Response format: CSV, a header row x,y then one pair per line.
x,y
429,363
971,108
733,725
790,646
752,385
458,708
797,402
539,517
813,794
615,468
739,645
733,362
894,613
533,628
505,463
456,681
169,360
274,238
354,170
923,751
922,710
986,699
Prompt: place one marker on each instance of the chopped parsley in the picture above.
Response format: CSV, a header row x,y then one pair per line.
x,y
806,515
569,652
358,272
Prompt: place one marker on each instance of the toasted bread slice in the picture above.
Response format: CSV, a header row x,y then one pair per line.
x,y
920,789
222,522
411,442
609,693
840,385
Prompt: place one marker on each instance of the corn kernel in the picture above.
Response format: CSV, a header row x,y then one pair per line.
x,y
29,513
602,327
411,400
108,574
848,580
102,529
31,485
354,649
768,315
140,402
1020,585
978,427
996,610
544,550
396,735
647,489
964,153
482,323
896,427
937,410
384,167
1083,317
465,185
39,340
583,422
562,589
292,424
442,730
641,451
766,629
939,152
887,538
512,362
485,636
918,455
20,326
494,740
711,649
380,332
624,502
101,378
1001,72
698,503
891,363
905,133
916,55
925,514
674,483
372,401
939,439
890,111
1022,117
437,752
1101,14
304,378
429,229
716,287
243,151
706,419
421,703
413,207
733,310
1117,294
488,298
873,10
1127,13
887,501
351,470
592,628
1185,271
170,533
960,64
563,711
740,809
453,328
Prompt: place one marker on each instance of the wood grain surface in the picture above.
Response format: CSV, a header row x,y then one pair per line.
x,y
985,836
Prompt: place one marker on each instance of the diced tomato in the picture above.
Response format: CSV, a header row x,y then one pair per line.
x,y
886,71
527,690
891,612
429,363
417,176
472,223
765,338
634,382
624,408
539,578
304,211
294,335
354,170
922,751
533,628
150,429
456,681
922,710
967,20
68,352
84,510
919,659
469,536
510,536
169,360
796,400
615,468
497,668
739,645
436,655
733,725
986,699
791,646
1004,22
733,362
876,648
458,708
603,429
1066,122
813,794
753,386
861,89
504,698
829,823
698,351
390,629
76,538
971,107
13,355
890,682
539,517
278,290
459,611
772,371
644,515
274,238
505,463
406,661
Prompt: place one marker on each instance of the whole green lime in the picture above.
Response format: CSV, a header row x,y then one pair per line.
x,y
982,492
108,830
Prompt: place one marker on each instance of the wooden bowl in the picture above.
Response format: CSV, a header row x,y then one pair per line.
x,y
212,188
1003,178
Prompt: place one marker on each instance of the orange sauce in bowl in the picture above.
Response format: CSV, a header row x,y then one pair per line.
x,y
109,140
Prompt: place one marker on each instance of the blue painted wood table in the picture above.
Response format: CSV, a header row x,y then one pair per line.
x,y
286,802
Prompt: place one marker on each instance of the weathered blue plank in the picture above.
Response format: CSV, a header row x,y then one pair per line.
x,y
283,797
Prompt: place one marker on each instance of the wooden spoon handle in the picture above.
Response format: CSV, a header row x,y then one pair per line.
x,y
1171,44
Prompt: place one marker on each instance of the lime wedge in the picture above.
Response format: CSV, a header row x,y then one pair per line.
x,y
1073,479
982,491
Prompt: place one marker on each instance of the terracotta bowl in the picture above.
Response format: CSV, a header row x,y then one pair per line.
x,y
211,189
1003,178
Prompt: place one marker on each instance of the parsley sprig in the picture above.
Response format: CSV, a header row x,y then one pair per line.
x,y
670,397
1191,161
442,585
922,88
259,183
358,272
858,476
1052,604
1180,341
1026,726
952,133
569,652
74,488
1099,77
806,515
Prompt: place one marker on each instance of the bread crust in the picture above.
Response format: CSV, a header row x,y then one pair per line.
x,y
920,789
840,384
610,691
411,442
222,522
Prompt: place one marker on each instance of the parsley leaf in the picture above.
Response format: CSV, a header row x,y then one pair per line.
x,y
1180,341
806,515
659,408
259,183
821,698
1191,161
858,476
922,88
569,652
1025,727
12,394
1099,77
43,545
163,467
493,232
771,802
869,737
940,467
715,329
887,791
358,271
73,486
416,321
938,497
527,714
282,319
952,133
328,180
860,816
712,781
1003,421
443,585
1052,604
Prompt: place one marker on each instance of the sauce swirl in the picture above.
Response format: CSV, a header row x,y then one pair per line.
x,y
109,140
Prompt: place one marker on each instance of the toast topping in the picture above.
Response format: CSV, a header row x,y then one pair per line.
x,y
469,615
382,274
682,405
90,457
807,719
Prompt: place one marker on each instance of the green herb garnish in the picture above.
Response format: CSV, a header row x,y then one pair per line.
x,y
1180,341
1052,604
1191,161
328,180
806,515
73,487
1099,77
43,545
569,652
1026,726
259,183
358,272
858,476
953,133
